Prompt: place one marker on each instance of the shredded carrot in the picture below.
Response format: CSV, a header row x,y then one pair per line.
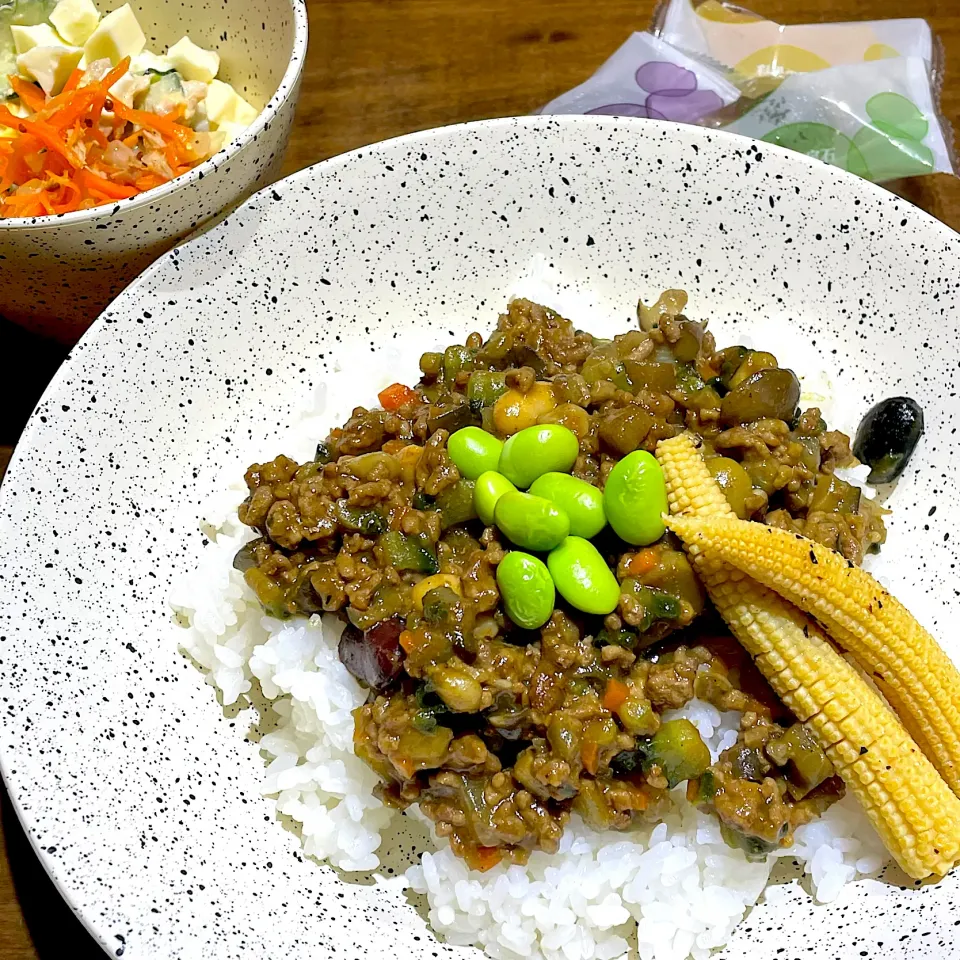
x,y
409,641
643,562
615,694
590,755
106,188
396,396
405,766
58,159
73,81
30,95
153,121
485,858
149,181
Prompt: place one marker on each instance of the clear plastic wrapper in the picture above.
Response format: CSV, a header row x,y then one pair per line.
x,y
861,95
877,120
752,48
648,78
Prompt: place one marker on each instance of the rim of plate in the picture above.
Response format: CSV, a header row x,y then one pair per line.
x,y
816,169
266,116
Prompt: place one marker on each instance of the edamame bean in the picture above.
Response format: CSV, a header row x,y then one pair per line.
x,y
490,487
474,451
538,450
531,522
527,589
583,578
635,499
581,501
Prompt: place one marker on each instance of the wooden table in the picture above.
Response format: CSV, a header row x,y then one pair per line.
x,y
380,68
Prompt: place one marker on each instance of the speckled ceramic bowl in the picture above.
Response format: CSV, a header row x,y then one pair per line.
x,y
140,793
58,273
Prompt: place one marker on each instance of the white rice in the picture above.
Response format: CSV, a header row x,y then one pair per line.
x,y
670,892
667,892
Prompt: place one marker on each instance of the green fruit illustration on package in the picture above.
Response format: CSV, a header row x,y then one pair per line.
x,y
892,146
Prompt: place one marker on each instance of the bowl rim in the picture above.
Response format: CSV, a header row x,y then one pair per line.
x,y
816,166
61,879
226,153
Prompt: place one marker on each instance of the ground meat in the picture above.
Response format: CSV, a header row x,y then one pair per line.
x,y
435,471
836,451
753,809
501,733
670,683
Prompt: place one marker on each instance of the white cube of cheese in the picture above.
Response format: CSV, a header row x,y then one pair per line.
x,y
42,35
75,20
129,87
118,36
49,66
226,106
193,62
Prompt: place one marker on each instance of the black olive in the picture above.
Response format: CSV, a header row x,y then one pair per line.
x,y
887,437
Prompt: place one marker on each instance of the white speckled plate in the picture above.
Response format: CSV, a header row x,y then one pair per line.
x,y
139,791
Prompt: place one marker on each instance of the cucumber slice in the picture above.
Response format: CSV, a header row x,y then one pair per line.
x,y
166,91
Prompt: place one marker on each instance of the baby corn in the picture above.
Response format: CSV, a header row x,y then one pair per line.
x,y
907,664
914,812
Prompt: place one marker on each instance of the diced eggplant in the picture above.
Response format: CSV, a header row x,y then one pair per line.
x,y
806,764
244,558
440,605
651,375
754,361
688,345
373,656
456,504
833,495
450,417
734,481
307,599
767,394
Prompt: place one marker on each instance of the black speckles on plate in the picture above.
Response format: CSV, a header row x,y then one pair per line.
x,y
152,801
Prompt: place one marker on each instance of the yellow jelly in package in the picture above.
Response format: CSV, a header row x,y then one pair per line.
x,y
859,95
755,49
